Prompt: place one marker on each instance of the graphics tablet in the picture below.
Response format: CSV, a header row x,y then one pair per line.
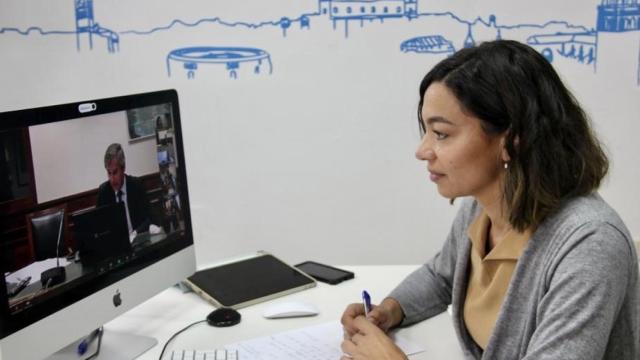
x,y
249,281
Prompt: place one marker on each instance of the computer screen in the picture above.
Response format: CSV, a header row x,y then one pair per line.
x,y
94,216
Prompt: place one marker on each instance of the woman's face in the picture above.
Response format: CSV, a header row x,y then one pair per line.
x,y
461,158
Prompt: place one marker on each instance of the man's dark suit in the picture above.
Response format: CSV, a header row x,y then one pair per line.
x,y
137,202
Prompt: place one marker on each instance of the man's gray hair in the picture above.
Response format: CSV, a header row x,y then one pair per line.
x,y
114,151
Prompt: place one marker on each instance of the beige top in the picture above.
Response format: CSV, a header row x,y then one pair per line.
x,y
489,277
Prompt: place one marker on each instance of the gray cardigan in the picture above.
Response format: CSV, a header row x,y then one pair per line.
x,y
574,293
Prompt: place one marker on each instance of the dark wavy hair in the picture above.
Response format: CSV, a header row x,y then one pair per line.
x,y
513,90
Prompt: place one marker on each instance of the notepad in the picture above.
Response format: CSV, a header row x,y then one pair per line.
x,y
317,342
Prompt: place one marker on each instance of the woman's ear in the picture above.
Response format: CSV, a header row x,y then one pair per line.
x,y
504,154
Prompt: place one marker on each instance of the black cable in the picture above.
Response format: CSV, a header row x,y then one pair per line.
x,y
176,334
95,354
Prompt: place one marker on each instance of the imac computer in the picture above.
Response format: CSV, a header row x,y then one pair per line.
x,y
94,220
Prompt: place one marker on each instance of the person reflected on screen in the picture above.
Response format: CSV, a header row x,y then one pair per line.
x,y
128,189
536,265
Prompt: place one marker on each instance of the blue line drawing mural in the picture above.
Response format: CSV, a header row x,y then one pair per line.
x,y
555,39
470,40
85,23
430,44
579,46
231,57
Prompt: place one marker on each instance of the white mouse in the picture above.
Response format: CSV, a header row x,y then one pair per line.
x,y
289,309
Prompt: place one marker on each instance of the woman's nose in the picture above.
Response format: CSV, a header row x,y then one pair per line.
x,y
424,150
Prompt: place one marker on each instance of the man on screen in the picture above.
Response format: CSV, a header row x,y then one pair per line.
x,y
124,188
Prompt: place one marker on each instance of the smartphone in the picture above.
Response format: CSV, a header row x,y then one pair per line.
x,y
325,273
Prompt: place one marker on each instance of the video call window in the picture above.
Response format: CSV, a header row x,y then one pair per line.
x,y
86,216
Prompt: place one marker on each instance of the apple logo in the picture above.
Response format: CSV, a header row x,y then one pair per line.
x,y
117,300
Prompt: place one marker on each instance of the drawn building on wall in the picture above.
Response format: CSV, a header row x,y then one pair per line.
x,y
368,9
618,27
430,44
581,46
618,16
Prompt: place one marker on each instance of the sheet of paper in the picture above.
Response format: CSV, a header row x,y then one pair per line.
x,y
318,342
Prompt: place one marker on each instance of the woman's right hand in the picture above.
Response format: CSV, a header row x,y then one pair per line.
x,y
385,316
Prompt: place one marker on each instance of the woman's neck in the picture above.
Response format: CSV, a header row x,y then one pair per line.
x,y
499,227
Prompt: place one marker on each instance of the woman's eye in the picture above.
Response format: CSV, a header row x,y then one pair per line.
x,y
439,135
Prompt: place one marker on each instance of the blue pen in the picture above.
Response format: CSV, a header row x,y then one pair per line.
x,y
366,301
84,344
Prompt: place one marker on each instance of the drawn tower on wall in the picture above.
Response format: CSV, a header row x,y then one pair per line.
x,y
85,23
618,27
84,20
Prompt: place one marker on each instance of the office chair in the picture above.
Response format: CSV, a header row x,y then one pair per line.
x,y
44,228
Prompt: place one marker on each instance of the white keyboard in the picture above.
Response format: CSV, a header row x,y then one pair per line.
x,y
218,354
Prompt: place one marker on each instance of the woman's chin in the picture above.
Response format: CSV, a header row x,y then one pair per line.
x,y
447,193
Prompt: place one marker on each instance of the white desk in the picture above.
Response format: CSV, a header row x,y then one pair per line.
x,y
171,310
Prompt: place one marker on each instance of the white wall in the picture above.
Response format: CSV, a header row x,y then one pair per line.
x,y
314,160
68,156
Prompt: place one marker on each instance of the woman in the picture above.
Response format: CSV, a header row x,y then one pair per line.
x,y
536,265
